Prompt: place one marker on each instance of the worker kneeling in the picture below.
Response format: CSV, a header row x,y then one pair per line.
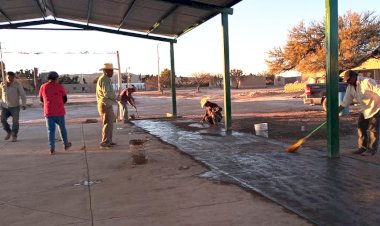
x,y
213,113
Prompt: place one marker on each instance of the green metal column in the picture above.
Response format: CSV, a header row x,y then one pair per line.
x,y
172,76
332,78
226,71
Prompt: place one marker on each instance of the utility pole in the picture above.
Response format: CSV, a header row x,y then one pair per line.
x,y
158,69
2,67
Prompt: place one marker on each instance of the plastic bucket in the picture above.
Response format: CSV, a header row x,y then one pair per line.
x,y
261,129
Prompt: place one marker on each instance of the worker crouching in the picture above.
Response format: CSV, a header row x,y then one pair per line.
x,y
213,113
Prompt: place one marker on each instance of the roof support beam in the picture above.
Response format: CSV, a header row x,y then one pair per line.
x,y
89,11
5,15
85,27
50,6
226,73
332,88
126,14
174,8
41,9
194,4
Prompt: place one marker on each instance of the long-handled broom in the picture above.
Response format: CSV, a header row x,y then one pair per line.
x,y
296,145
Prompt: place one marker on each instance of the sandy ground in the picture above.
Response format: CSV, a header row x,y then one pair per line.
x,y
285,114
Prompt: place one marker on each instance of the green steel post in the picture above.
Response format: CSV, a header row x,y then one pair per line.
x,y
226,72
172,76
332,78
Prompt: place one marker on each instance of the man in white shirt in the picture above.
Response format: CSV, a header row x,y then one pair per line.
x,y
11,93
367,93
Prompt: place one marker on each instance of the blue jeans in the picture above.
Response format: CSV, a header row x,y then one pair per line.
x,y
51,121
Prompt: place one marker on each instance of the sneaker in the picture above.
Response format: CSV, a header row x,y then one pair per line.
x,y
52,151
14,138
359,151
7,136
67,146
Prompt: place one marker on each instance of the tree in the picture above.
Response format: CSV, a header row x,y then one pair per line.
x,y
236,75
201,79
165,78
27,73
269,78
305,50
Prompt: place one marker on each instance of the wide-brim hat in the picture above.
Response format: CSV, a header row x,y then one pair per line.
x,y
204,101
107,66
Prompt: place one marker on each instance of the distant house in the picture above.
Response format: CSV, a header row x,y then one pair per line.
x,y
248,82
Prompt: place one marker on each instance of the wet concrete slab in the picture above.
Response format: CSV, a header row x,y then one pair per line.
x,y
342,191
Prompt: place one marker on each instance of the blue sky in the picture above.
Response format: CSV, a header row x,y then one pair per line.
x,y
255,28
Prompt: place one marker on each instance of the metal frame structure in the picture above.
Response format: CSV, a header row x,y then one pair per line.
x,y
165,20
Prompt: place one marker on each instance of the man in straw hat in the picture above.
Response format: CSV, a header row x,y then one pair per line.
x,y
367,93
11,93
213,113
106,97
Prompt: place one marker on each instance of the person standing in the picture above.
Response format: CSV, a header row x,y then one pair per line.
x,y
213,113
367,93
125,99
53,96
105,98
11,93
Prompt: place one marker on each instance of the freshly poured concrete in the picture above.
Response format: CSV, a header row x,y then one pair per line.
x,y
342,191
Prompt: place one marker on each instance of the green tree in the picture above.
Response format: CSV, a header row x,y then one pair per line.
x,y
305,50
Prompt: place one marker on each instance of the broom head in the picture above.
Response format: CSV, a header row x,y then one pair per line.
x,y
296,145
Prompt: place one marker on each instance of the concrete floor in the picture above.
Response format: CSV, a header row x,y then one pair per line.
x,y
44,190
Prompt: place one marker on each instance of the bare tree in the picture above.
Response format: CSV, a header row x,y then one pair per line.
x,y
236,75
201,78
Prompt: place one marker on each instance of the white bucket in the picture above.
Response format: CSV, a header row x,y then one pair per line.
x,y
261,129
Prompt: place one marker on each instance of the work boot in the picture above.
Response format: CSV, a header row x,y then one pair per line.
x,y
14,138
369,152
104,146
112,144
67,146
52,151
7,136
359,151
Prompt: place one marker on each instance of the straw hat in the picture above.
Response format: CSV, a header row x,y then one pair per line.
x,y
107,66
204,101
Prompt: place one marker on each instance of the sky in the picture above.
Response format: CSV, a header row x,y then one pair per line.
x,y
255,27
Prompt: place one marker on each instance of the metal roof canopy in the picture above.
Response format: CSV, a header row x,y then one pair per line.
x,y
161,20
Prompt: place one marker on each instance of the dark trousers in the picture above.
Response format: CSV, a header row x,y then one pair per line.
x,y
13,112
368,132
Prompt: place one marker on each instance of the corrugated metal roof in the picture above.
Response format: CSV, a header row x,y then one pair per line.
x,y
161,18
